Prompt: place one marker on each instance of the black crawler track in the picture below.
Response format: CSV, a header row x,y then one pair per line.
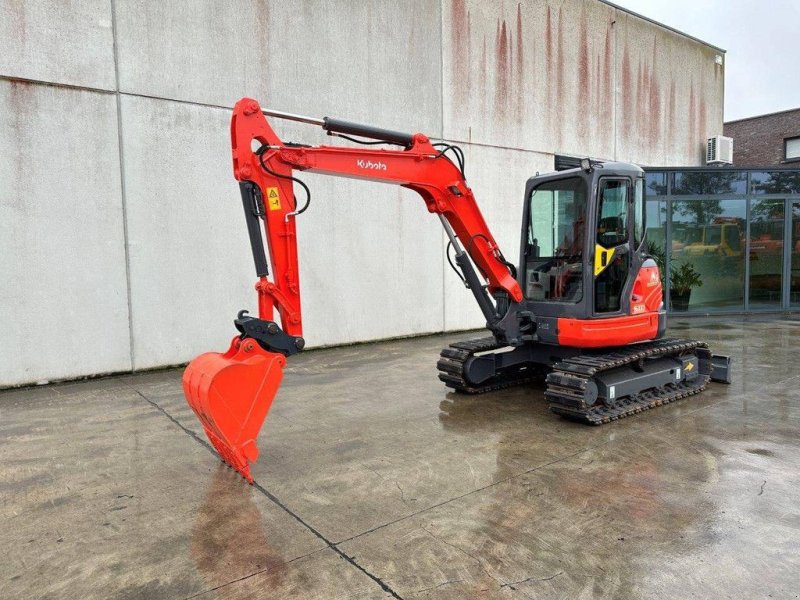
x,y
451,368
566,384
567,379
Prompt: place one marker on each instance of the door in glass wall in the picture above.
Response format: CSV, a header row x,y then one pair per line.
x,y
766,252
708,242
794,275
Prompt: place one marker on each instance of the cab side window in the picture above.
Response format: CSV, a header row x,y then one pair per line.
x,y
612,260
612,218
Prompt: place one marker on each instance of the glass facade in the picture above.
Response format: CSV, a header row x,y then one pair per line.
x,y
727,240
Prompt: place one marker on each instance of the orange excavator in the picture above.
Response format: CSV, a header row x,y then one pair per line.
x,y
583,309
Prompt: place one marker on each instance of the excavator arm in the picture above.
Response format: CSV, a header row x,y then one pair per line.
x,y
231,393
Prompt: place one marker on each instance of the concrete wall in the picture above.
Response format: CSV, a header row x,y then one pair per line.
x,y
121,237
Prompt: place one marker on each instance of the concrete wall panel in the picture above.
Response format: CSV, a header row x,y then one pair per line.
x,y
371,262
578,77
59,42
497,177
534,75
669,94
63,301
372,61
190,263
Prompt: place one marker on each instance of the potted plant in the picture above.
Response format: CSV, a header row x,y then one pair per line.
x,y
656,252
681,282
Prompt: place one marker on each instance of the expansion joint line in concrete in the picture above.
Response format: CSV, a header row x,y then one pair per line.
x,y
123,191
475,491
277,502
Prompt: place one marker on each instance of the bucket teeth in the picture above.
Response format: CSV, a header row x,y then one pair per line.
x,y
230,457
231,394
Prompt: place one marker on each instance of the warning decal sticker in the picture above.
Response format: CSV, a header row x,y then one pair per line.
x,y
273,198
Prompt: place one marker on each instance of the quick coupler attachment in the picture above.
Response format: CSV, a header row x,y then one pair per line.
x,y
269,334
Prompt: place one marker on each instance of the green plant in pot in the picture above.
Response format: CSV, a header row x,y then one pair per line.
x,y
656,252
681,281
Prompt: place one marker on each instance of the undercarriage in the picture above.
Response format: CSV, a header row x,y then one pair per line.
x,y
592,387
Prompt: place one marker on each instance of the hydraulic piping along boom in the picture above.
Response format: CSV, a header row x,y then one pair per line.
x,y
231,392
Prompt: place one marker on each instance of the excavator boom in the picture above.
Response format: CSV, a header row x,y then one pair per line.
x,y
231,392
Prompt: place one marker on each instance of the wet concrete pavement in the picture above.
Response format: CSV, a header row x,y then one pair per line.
x,y
375,482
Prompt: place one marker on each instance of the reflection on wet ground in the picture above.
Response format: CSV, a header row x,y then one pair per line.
x,y
375,482
228,531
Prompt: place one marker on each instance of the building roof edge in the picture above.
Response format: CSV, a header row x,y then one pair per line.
x,y
662,25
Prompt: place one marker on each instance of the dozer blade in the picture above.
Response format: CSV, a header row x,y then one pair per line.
x,y
231,394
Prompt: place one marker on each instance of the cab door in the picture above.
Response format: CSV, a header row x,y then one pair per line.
x,y
613,248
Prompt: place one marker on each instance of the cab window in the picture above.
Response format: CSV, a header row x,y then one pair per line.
x,y
556,240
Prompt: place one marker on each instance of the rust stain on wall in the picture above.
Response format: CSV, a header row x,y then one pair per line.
x,y
627,92
559,79
702,132
459,41
642,100
501,70
585,64
584,76
22,102
654,91
607,93
482,78
519,74
671,114
690,142
548,45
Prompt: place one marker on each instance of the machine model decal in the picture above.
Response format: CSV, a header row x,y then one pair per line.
x,y
368,164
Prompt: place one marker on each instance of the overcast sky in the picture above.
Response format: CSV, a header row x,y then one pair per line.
x,y
762,39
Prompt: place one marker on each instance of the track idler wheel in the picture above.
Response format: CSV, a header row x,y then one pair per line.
x,y
231,394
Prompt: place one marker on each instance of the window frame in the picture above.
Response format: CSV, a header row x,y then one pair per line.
x,y
786,157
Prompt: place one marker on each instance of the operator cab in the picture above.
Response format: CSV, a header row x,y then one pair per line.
x,y
582,241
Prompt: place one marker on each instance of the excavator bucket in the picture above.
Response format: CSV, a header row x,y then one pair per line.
x,y
231,394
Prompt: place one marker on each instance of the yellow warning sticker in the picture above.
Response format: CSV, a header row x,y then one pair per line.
x,y
273,198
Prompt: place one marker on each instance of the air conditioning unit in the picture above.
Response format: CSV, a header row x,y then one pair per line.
x,y
719,151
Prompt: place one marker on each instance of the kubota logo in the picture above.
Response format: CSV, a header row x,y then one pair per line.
x,y
654,280
368,164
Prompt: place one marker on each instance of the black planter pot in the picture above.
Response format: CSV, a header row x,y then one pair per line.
x,y
679,302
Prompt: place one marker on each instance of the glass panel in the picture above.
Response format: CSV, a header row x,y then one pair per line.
x,y
793,148
612,214
608,285
612,231
775,182
638,214
794,283
707,269
656,234
766,253
700,182
656,184
556,237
